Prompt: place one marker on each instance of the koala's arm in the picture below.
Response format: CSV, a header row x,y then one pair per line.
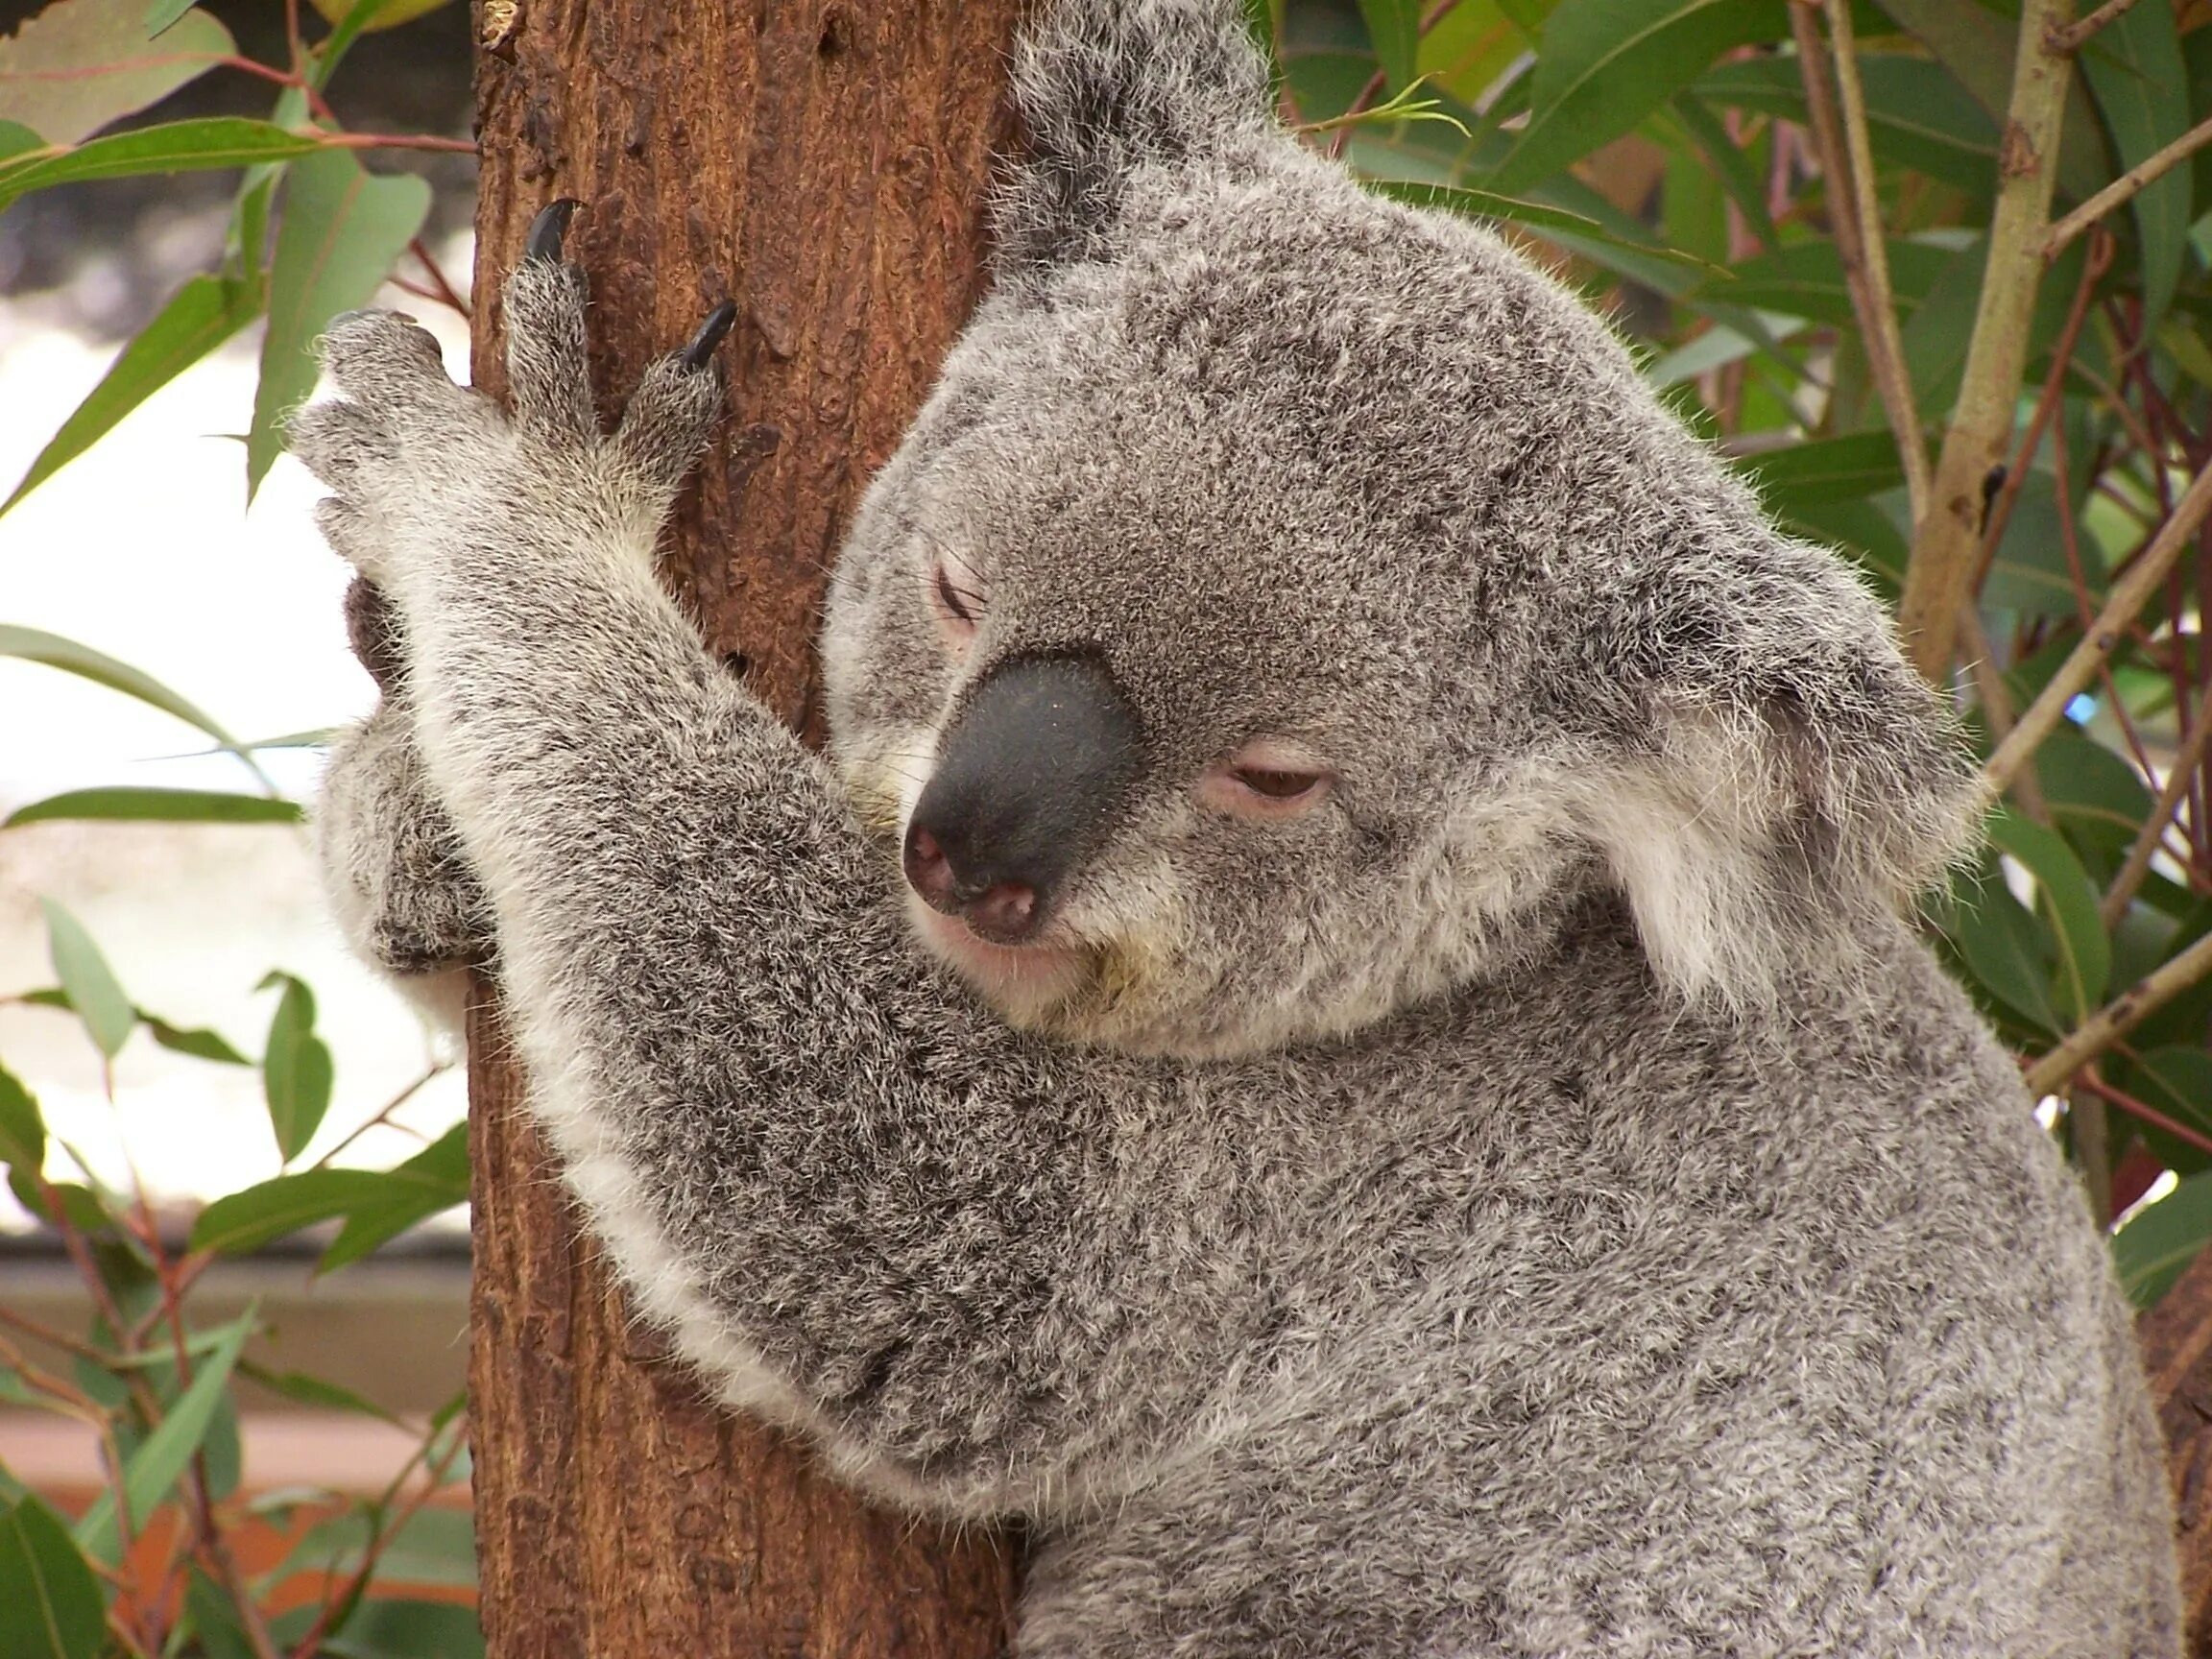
x,y
392,865
859,1202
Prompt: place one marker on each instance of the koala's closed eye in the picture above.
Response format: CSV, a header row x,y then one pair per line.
x,y
958,594
1265,779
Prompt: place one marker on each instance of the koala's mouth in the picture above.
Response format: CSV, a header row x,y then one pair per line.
x,y
1022,980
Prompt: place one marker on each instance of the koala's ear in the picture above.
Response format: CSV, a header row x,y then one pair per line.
x,y
1105,87
1782,777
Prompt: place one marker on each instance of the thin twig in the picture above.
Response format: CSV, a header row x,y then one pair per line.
x,y
2134,1108
2128,595
1855,215
2137,864
2130,183
1938,580
2119,1017
2068,41
2047,406
382,1115
446,290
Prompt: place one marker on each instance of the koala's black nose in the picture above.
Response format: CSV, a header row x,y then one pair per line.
x,y
1028,780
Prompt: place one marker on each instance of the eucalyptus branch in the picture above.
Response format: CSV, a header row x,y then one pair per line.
x,y
1938,580
2129,184
2119,1017
2128,595
1855,216
2070,39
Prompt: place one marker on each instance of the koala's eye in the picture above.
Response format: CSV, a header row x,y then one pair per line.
x,y
1277,786
957,595
1264,780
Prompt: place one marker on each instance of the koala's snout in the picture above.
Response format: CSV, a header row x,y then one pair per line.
x,y
1029,778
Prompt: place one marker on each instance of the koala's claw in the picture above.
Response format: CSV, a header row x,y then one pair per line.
x,y
549,229
699,352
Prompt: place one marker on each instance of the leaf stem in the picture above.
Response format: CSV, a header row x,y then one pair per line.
x,y
2152,835
2129,184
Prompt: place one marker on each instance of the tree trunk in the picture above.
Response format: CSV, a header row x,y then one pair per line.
x,y
824,164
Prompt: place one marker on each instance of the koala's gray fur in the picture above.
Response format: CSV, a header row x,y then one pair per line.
x,y
1542,1202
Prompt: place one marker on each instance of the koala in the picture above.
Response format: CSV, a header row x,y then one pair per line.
x,y
1335,1034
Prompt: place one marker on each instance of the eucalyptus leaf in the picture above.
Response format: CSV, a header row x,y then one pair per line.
x,y
199,145
154,1467
1394,28
87,981
200,316
435,1179
342,230
1605,65
2067,901
296,1068
22,1127
2154,1248
143,804
51,1604
2134,70
79,64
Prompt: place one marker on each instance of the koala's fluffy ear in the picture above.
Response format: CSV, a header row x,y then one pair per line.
x,y
1781,777
1105,87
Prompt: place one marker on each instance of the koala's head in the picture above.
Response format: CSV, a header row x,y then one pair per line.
x,y
1291,605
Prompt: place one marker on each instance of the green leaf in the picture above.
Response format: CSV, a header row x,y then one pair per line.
x,y
139,805
89,982
2133,66
36,646
80,1205
15,139
2001,949
395,1628
214,1620
1917,116
1394,30
51,1606
163,14
2067,901
341,232
434,1180
432,1549
1807,280
1824,470
80,65
2151,1251
295,1069
1535,216
302,1390
1605,65
198,1043
1975,44
2179,1083
246,1220
210,142
151,1471
2095,797
22,1127
200,316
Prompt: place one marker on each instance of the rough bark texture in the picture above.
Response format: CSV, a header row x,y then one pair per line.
x,y
825,163
2176,1338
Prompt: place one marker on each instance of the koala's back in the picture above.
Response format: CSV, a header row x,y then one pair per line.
x,y
1600,1328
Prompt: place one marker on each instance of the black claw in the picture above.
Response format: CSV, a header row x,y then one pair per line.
x,y
548,231
696,356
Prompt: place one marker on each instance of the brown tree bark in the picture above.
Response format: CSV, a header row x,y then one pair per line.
x,y
824,164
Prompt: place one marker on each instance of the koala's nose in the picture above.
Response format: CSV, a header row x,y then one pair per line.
x,y
1028,781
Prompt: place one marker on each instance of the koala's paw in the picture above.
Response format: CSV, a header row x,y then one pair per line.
x,y
416,463
397,877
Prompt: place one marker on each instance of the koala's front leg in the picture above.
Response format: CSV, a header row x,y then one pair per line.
x,y
392,865
859,1202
